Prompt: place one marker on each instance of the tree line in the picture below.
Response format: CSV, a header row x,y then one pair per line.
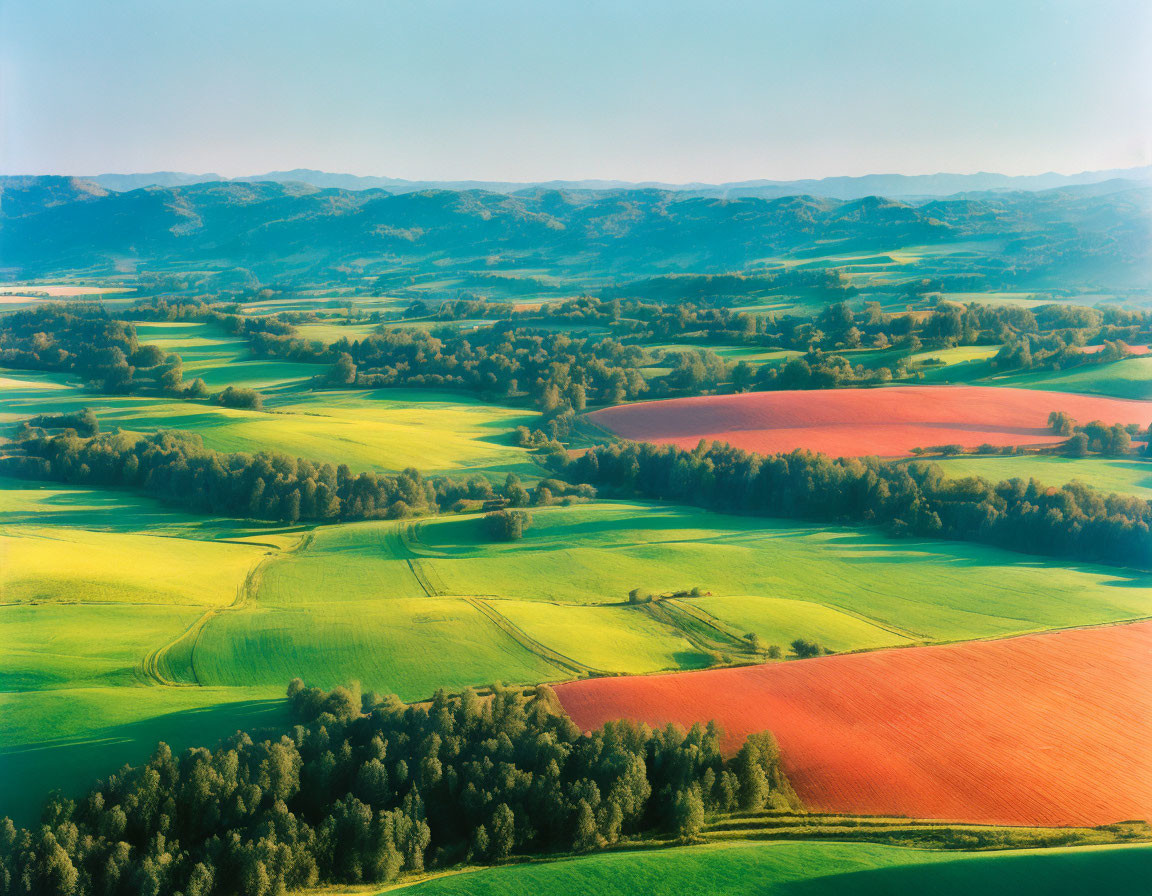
x,y
176,467
838,326
364,788
1073,521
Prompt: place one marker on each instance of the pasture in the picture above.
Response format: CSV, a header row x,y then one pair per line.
x,y
1124,476
888,422
92,582
407,607
810,869
1130,378
1047,729
382,429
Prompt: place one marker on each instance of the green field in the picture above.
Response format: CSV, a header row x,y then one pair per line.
x,y
1123,476
408,607
91,582
595,554
381,429
813,869
1130,378
66,738
222,360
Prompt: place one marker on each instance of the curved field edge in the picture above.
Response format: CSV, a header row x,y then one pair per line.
x,y
1047,729
810,869
887,421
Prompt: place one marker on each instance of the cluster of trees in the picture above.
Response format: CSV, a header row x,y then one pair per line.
x,y
1114,440
241,397
83,422
364,788
558,372
916,499
1051,337
84,340
507,525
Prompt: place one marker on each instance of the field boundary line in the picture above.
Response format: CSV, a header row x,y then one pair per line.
x,y
151,665
684,605
667,616
529,643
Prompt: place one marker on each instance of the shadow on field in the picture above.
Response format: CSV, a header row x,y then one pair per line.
x,y
1118,870
28,772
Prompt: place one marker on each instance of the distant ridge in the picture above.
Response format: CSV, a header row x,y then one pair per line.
x,y
904,186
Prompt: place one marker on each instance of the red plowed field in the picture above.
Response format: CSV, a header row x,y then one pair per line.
x,y
1051,729
857,422
1132,349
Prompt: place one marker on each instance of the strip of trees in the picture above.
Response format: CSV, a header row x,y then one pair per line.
x,y
364,788
918,499
174,466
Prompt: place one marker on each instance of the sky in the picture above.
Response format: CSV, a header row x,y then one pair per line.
x,y
536,90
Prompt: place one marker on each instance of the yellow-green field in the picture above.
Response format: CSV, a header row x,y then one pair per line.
x,y
1125,476
1130,378
381,429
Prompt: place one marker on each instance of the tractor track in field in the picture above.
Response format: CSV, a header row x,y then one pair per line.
x,y
434,586
152,665
529,643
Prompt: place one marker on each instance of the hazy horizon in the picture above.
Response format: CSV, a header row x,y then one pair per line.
x,y
368,174
521,91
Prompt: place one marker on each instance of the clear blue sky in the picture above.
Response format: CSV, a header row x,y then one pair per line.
x,y
496,89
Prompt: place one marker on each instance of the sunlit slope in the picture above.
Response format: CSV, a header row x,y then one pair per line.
x,y
812,869
383,429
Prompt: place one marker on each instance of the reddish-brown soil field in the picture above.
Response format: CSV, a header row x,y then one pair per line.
x,y
857,422
1132,349
1051,729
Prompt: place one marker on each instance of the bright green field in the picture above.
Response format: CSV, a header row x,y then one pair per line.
x,y
383,429
333,331
1125,477
616,638
777,620
222,360
594,554
405,646
90,583
66,738
408,607
753,354
962,364
814,869
1130,378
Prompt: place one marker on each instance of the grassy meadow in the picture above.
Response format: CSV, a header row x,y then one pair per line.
x,y
1130,378
407,607
383,429
1125,476
811,869
91,583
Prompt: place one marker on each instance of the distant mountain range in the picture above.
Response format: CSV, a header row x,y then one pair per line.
x,y
308,233
890,185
